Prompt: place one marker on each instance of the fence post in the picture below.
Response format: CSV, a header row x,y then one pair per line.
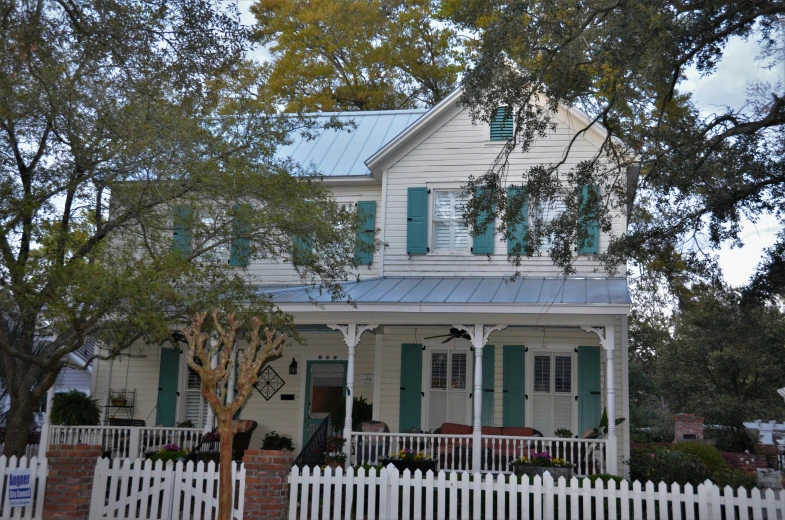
x,y
267,484
70,482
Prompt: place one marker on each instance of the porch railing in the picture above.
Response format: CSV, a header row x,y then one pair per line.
x,y
126,441
454,452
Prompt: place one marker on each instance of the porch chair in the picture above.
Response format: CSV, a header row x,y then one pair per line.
x,y
371,450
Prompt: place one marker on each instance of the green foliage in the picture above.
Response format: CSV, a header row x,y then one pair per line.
x,y
605,477
624,64
728,438
708,454
362,411
683,466
277,441
119,113
331,55
75,408
564,433
167,455
725,358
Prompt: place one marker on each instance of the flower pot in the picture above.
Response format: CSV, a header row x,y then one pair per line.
x,y
119,402
335,464
411,465
532,471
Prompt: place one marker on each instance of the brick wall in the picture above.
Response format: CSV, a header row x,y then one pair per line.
x,y
749,463
688,427
267,484
70,481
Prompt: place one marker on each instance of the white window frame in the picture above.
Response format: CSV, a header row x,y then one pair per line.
x,y
553,353
461,346
433,221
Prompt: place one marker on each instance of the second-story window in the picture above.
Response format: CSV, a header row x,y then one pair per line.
x,y
547,213
209,239
450,233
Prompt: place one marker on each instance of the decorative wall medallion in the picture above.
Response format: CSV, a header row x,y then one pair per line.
x,y
268,383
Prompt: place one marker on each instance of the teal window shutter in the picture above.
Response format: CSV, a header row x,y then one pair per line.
x,y
417,221
411,387
366,231
502,124
241,244
482,243
521,230
590,223
167,387
589,389
181,239
302,249
514,393
488,369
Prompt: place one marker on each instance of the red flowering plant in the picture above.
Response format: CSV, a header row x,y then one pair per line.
x,y
334,449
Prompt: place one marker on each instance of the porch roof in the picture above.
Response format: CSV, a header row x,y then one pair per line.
x,y
457,290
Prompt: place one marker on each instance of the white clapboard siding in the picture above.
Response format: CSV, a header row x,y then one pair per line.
x,y
38,471
126,488
326,495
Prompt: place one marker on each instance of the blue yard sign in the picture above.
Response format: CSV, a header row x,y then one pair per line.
x,y
20,489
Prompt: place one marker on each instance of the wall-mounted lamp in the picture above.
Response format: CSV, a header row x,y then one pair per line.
x,y
293,366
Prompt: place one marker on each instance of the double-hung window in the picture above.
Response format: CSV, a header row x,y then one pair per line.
x,y
449,230
545,214
552,392
209,236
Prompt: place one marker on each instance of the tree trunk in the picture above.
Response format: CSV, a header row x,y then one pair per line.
x,y
225,498
17,429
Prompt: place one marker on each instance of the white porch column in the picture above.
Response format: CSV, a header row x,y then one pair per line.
x,y
606,336
479,337
351,336
377,375
43,443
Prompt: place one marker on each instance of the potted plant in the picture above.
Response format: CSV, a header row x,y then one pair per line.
x,y
75,408
411,460
334,456
539,463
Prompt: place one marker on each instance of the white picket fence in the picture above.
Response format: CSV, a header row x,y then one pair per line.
x,y
461,495
125,488
31,450
38,471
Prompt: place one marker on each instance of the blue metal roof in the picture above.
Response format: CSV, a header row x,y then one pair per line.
x,y
343,152
469,290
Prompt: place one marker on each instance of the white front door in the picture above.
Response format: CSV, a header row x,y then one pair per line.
x,y
553,396
447,386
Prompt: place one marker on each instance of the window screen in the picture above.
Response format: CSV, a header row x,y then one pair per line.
x,y
542,373
562,374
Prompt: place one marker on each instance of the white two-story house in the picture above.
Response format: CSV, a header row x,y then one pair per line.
x,y
527,362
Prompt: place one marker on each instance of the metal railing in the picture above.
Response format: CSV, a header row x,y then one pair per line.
x,y
314,450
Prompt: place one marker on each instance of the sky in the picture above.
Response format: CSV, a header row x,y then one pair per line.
x,y
725,87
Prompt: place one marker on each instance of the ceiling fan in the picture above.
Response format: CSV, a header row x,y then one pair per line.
x,y
454,334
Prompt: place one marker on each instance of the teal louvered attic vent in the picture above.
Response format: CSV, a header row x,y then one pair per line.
x,y
502,125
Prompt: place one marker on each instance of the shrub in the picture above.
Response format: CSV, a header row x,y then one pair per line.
x,y
707,453
277,441
661,465
75,408
605,477
728,438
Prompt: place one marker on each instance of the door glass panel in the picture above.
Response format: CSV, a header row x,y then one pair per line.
x,y
439,370
563,374
459,370
326,388
542,373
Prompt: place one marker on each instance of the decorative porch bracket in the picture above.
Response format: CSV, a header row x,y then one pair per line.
x,y
605,333
478,334
351,336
